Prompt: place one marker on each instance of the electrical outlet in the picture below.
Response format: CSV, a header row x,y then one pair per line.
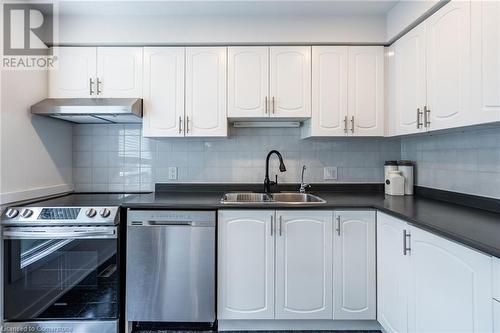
x,y
172,173
330,173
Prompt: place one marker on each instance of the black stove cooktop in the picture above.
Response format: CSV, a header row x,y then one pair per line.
x,y
85,199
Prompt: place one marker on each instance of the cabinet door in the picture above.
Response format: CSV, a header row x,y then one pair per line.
x,y
496,279
450,286
245,264
119,70
290,81
163,91
366,91
486,60
206,91
304,265
329,91
410,94
354,284
496,316
75,74
392,270
248,81
448,66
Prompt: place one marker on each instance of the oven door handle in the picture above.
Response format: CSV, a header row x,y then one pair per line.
x,y
20,233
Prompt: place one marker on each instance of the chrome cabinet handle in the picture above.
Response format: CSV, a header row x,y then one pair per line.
x,y
265,107
406,247
281,224
91,83
187,124
180,125
352,124
338,226
273,104
99,91
272,225
427,116
345,124
419,118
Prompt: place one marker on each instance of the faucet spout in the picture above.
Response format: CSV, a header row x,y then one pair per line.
x,y
282,168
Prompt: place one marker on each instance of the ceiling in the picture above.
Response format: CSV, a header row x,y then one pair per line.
x,y
222,8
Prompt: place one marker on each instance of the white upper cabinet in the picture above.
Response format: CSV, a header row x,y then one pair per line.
x,y
114,72
248,82
206,91
290,81
366,91
354,286
75,74
163,91
449,286
410,90
119,72
449,66
486,60
392,275
329,91
304,265
347,91
245,277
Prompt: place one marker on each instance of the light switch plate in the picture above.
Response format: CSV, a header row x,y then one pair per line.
x,y
330,173
172,173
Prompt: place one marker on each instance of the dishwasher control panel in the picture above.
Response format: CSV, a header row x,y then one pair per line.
x,y
172,217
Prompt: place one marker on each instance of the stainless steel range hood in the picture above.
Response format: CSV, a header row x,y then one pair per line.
x,y
91,110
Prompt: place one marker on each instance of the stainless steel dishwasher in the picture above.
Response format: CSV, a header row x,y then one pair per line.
x,y
170,266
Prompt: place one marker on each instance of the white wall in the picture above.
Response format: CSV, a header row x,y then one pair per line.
x,y
220,29
35,152
406,13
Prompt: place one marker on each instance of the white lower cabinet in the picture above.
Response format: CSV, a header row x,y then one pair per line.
x,y
354,257
280,265
304,265
392,275
274,264
449,286
496,278
245,281
496,316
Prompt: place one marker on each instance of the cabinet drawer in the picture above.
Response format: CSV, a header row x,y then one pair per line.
x,y
496,316
496,278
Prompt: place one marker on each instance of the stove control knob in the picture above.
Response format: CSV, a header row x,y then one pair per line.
x,y
11,213
105,212
91,212
26,213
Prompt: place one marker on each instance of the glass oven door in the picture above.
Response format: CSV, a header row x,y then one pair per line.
x,y
58,273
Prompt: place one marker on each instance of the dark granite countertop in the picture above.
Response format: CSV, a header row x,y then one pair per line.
x,y
477,228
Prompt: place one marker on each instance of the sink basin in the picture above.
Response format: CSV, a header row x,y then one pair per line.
x,y
293,197
285,197
245,197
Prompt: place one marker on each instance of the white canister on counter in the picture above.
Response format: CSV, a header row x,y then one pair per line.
x,y
406,168
389,166
395,183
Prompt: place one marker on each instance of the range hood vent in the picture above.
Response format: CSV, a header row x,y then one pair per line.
x,y
268,124
91,110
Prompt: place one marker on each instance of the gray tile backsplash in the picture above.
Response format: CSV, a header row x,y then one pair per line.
x,y
118,158
465,161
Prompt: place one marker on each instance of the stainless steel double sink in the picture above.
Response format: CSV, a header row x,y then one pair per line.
x,y
264,198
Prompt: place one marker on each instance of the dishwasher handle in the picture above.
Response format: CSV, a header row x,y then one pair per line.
x,y
168,223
